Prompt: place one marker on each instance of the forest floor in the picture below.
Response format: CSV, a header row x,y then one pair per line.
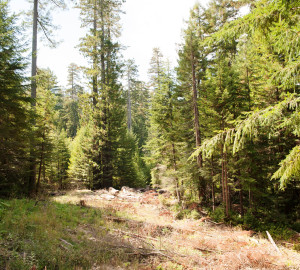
x,y
140,226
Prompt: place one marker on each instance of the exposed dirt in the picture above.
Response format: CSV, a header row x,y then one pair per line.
x,y
142,226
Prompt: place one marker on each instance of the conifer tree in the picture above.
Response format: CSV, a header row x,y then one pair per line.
x,y
109,133
14,129
190,72
41,20
245,81
163,140
70,115
51,141
139,101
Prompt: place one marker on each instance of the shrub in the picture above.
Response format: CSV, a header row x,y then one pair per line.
x,y
218,215
195,214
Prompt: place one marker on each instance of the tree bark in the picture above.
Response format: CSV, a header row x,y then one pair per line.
x,y
175,169
102,56
95,60
250,197
213,186
32,169
241,198
41,163
227,197
129,124
201,186
223,178
195,109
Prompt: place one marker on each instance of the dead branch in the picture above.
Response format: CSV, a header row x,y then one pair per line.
x,y
204,249
273,243
66,242
120,220
134,235
151,252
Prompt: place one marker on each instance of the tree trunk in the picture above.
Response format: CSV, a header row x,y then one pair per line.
x,y
241,198
32,169
40,167
102,56
213,185
59,175
227,196
95,60
175,169
225,189
223,178
34,53
196,111
201,186
129,124
250,197
44,172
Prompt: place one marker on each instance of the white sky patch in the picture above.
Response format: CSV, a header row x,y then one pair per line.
x,y
146,24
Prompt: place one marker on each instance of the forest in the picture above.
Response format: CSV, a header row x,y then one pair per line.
x,y
220,129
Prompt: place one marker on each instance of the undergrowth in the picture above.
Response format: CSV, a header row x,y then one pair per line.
x,y
278,226
47,235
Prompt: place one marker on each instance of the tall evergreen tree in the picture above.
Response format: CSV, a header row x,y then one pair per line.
x,y
14,129
109,124
51,140
244,78
163,139
41,20
70,115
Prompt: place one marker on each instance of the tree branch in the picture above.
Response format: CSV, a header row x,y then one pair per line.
x,y
45,32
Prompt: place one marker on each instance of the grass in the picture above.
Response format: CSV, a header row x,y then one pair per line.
x,y
52,235
63,235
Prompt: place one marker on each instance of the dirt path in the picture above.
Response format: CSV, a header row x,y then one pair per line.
x,y
141,226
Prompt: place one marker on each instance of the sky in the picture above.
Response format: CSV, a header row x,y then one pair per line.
x,y
146,24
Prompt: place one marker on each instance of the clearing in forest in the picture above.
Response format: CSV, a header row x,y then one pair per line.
x,y
142,227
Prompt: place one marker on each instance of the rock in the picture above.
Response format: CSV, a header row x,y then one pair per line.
x,y
107,197
113,191
101,191
127,190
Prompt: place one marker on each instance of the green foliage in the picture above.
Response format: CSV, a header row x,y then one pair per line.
x,y
187,213
289,167
273,118
14,113
80,167
195,214
273,222
51,235
163,146
296,227
235,93
51,143
218,215
71,111
296,247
